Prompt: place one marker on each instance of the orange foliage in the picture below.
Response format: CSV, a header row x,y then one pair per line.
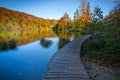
x,y
84,17
65,21
13,20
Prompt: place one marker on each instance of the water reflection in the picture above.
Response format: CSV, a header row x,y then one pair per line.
x,y
62,42
25,37
45,43
27,62
35,48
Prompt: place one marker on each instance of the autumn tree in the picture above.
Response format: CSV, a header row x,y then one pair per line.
x,y
18,21
84,14
76,15
96,21
64,23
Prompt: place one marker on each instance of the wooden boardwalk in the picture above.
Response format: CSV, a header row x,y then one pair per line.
x,y
66,63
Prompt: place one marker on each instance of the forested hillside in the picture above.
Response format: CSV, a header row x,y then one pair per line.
x,y
14,20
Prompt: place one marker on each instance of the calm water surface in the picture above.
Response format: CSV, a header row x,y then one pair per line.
x,y
29,61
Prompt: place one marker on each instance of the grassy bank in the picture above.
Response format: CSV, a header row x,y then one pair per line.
x,y
104,48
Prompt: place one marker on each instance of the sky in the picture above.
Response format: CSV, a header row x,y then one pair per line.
x,y
53,9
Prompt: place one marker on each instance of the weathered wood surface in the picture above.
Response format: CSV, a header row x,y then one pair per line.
x,y
66,63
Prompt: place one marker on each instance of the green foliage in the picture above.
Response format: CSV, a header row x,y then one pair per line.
x,y
103,47
4,45
45,43
63,42
109,24
76,15
96,24
56,27
97,13
112,21
112,49
12,44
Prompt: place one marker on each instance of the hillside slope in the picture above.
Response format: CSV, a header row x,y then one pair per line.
x,y
13,20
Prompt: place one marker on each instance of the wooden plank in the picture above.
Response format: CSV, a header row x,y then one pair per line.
x,y
66,79
66,63
66,76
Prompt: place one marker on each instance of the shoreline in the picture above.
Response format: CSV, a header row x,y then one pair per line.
x,y
97,71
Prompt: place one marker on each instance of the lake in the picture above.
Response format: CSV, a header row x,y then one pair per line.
x,y
29,60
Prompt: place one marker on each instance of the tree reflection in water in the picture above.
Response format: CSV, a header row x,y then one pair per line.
x,y
62,42
45,43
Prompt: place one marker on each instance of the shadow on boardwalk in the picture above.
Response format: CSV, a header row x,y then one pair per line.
x,y
66,63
